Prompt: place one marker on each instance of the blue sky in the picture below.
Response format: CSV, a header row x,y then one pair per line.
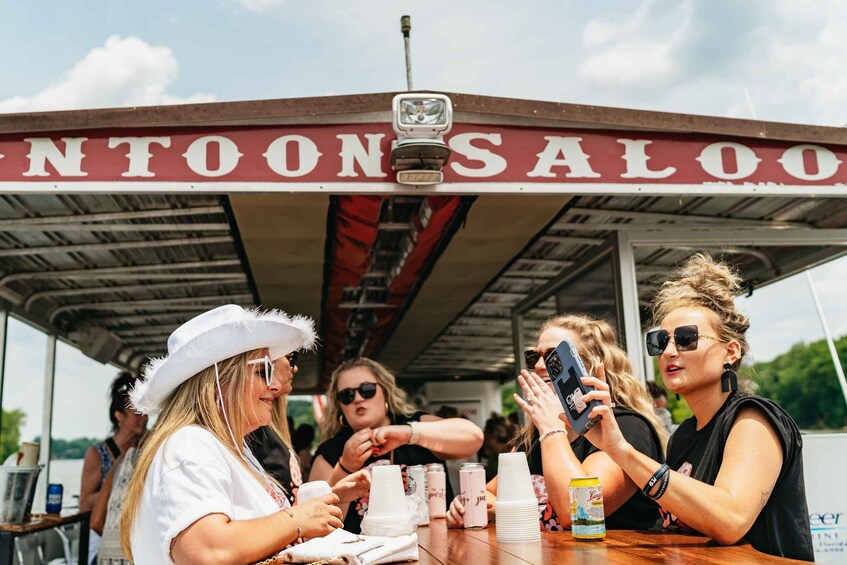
x,y
778,60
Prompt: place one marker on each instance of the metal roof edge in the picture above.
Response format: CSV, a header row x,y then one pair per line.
x,y
320,109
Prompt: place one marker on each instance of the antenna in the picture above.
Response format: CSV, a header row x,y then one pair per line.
x,y
406,27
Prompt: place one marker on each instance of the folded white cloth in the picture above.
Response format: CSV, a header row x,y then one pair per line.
x,y
359,550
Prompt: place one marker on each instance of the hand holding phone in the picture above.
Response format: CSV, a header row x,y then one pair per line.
x,y
567,371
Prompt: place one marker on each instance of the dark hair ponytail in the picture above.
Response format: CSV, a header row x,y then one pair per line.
x,y
119,395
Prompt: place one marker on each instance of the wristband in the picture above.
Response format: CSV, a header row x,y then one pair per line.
x,y
416,433
299,531
663,487
343,468
654,479
548,433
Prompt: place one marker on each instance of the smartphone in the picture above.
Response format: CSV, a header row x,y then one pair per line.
x,y
566,369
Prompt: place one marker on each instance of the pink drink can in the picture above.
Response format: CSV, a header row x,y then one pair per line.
x,y
472,482
436,490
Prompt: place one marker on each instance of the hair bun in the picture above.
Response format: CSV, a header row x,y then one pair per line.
x,y
702,282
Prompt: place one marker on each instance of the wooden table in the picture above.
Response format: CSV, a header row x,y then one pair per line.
x,y
438,545
41,522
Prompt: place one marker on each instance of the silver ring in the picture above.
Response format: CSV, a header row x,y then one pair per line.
x,y
530,398
612,405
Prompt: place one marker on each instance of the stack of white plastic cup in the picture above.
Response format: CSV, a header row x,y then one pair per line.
x,y
517,508
387,513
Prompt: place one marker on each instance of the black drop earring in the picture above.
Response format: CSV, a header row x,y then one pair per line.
x,y
729,379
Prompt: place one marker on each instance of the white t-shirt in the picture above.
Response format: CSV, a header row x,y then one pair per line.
x,y
194,475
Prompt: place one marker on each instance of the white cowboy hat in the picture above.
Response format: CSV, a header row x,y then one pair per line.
x,y
212,337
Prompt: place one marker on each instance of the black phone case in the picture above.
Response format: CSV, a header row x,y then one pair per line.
x,y
563,363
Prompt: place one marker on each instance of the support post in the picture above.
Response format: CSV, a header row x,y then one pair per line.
x,y
628,299
406,28
4,319
839,370
46,423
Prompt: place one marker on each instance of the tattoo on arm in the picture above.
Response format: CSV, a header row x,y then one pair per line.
x,y
766,494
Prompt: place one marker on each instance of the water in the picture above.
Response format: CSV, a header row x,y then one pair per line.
x,y
67,472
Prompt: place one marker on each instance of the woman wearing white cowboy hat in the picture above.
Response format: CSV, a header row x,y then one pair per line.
x,y
197,493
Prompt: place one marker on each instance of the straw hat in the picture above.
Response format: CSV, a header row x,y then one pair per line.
x,y
212,337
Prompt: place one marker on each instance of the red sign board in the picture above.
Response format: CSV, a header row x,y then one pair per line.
x,y
357,156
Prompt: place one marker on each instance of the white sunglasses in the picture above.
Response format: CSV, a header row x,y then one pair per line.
x,y
267,370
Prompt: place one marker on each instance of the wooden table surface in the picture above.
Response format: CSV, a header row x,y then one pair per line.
x,y
440,545
40,522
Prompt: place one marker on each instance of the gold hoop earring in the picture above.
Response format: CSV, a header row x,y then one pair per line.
x,y
341,421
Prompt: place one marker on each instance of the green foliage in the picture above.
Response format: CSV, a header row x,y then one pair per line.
x,y
10,432
301,412
71,448
506,392
678,408
803,381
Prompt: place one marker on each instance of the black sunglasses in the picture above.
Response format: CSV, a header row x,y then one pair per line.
x,y
292,359
685,338
531,356
348,395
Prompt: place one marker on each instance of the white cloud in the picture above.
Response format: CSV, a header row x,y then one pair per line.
x,y
123,72
259,6
641,50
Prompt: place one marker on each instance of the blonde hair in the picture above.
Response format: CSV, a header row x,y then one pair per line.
x,y
599,345
279,420
396,398
194,402
702,282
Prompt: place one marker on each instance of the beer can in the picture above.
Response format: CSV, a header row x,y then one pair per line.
x,y
588,518
436,490
416,485
54,498
472,485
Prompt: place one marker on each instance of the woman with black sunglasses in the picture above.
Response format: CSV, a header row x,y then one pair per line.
x,y
735,469
368,419
272,447
556,453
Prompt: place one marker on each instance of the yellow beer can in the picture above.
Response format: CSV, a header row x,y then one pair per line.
x,y
588,518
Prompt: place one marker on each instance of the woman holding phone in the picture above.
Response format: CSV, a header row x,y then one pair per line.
x,y
735,468
556,453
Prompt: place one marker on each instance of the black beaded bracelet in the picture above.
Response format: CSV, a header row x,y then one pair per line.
x,y
654,479
345,469
666,477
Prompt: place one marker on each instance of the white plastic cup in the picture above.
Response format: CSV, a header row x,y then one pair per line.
x,y
514,482
28,455
517,521
387,496
313,489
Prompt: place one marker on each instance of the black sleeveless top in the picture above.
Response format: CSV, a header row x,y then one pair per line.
x,y
404,455
782,527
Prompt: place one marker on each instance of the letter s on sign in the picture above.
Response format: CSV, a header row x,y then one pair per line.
x,y
492,164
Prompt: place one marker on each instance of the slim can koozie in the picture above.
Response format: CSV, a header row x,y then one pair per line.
x,y
54,498
472,482
416,485
436,490
588,518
